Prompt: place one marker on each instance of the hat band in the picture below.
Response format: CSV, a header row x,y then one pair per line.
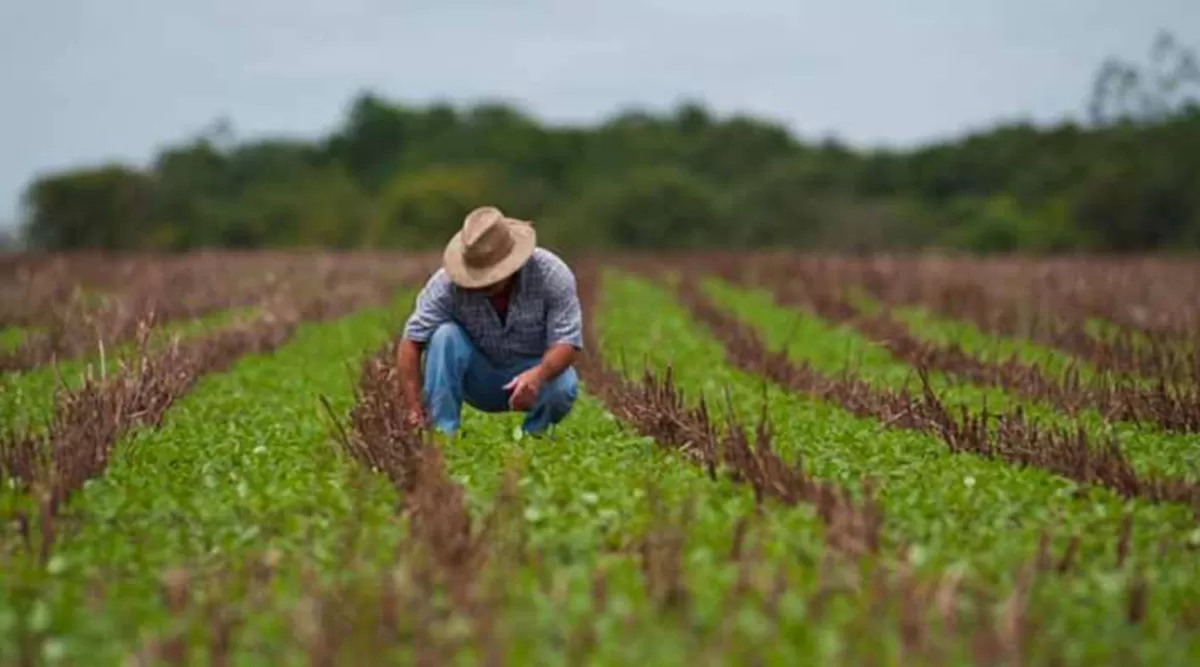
x,y
493,246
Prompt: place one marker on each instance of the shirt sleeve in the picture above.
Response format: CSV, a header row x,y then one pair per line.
x,y
564,317
433,308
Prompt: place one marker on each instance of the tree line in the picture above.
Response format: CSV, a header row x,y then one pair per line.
x,y
399,176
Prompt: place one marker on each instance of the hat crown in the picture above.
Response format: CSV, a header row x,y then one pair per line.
x,y
489,247
486,239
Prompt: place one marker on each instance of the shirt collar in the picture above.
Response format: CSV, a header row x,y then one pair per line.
x,y
518,285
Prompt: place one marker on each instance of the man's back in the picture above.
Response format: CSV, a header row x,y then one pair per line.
x,y
521,361
543,310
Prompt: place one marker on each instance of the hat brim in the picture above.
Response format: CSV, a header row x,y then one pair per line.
x,y
524,241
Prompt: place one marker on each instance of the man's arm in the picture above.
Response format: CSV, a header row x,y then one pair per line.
x,y
564,327
432,309
408,363
558,358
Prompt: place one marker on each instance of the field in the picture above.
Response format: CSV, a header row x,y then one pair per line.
x,y
775,459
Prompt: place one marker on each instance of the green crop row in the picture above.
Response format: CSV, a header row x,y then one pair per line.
x,y
954,510
27,397
586,507
833,349
241,465
586,497
1149,449
245,465
991,347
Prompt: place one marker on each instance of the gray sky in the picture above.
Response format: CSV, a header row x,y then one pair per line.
x,y
84,81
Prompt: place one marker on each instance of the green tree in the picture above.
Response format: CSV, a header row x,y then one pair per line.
x,y
375,137
1001,224
778,206
320,207
106,208
422,209
654,208
403,176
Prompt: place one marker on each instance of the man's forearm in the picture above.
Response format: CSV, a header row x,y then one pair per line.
x,y
557,359
408,363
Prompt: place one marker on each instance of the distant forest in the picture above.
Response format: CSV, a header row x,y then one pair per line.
x,y
1124,178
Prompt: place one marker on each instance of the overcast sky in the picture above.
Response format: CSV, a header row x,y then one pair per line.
x,y
87,81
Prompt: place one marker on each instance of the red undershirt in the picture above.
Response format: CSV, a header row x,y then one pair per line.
x,y
500,303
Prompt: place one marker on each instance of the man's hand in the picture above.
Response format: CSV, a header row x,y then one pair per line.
x,y
414,417
524,389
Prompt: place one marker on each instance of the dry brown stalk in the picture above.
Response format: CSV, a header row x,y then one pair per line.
x,y
448,549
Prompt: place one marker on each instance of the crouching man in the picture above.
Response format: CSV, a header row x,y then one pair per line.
x,y
500,327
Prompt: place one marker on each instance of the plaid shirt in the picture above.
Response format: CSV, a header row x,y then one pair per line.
x,y
543,310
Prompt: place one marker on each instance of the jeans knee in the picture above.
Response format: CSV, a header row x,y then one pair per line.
x,y
448,352
448,335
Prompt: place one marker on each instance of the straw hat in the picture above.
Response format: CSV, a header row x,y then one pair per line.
x,y
489,248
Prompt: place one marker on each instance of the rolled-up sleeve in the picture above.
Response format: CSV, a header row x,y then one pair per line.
x,y
433,308
564,316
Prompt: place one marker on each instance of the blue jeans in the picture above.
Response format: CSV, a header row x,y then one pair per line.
x,y
455,370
